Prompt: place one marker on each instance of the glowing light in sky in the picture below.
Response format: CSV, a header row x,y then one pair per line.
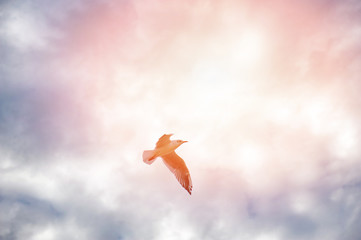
x,y
250,49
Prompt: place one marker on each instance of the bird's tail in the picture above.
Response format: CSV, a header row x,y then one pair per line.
x,y
149,156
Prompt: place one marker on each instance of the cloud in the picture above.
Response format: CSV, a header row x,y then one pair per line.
x,y
273,137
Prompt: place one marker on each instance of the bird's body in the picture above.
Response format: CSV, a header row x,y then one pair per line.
x,y
165,149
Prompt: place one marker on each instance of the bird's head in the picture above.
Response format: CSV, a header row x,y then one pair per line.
x,y
179,142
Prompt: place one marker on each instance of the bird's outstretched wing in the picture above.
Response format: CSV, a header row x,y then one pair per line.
x,y
163,140
177,166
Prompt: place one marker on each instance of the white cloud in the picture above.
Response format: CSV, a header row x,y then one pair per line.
x,y
26,32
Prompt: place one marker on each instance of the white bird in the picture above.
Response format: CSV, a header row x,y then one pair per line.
x,y
165,149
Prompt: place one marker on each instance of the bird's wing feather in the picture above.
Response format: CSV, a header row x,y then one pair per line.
x,y
178,167
163,140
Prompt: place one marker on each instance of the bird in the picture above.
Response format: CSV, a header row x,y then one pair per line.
x,y
165,149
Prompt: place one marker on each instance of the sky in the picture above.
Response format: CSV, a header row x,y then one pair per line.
x,y
267,94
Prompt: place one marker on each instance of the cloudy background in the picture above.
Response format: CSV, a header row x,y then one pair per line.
x,y
267,94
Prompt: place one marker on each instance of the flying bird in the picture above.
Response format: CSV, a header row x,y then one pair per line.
x,y
165,149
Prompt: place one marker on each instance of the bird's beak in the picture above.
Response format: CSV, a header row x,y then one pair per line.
x,y
184,141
